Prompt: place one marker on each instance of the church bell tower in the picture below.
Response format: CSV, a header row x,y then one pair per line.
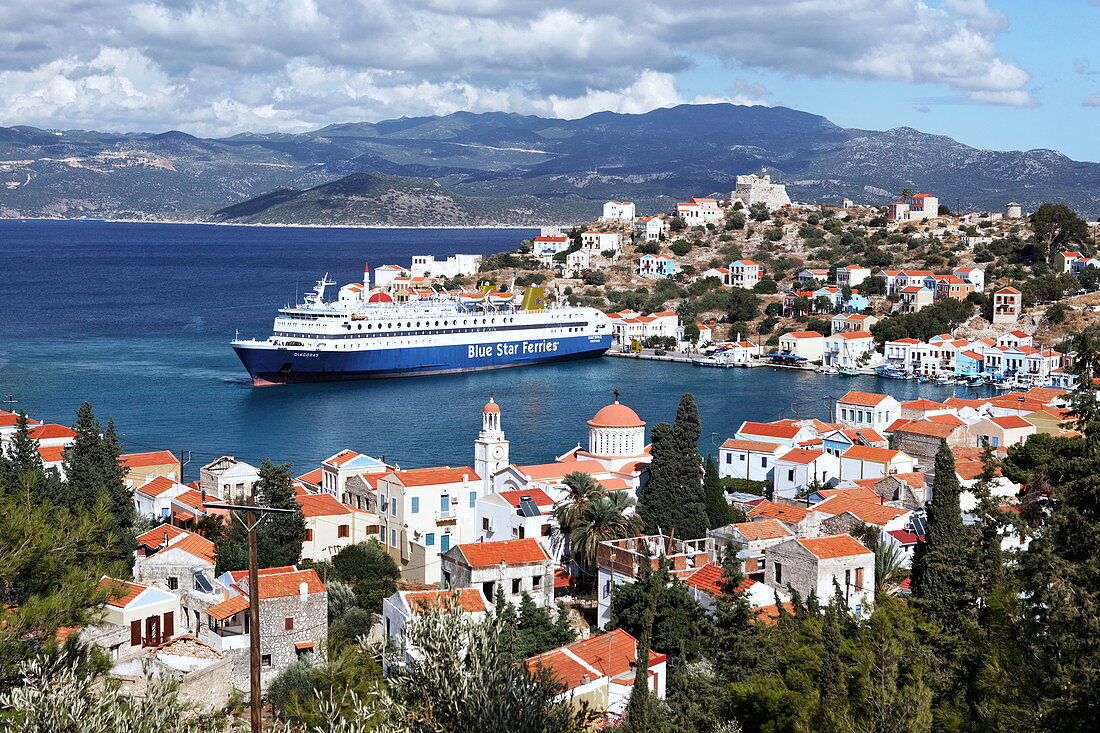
x,y
490,448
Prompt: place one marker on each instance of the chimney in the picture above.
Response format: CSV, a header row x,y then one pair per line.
x,y
701,559
303,590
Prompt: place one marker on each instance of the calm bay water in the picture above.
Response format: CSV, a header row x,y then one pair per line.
x,y
137,319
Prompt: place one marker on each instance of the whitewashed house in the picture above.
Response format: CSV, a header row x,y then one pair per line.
x,y
797,469
651,228
601,241
618,211
849,349
744,274
867,410
753,460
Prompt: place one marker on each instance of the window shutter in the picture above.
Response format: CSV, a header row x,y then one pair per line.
x,y
135,633
170,624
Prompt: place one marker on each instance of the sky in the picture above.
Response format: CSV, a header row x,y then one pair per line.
x,y
999,74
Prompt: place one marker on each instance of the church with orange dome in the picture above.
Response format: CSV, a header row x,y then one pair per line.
x,y
617,455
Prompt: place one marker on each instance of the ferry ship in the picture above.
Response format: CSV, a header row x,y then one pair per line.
x,y
375,335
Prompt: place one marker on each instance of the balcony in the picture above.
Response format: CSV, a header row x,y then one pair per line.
x,y
446,517
228,637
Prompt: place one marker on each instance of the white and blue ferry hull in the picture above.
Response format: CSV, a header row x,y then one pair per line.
x,y
268,364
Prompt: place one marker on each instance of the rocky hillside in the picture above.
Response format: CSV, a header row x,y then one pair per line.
x,y
374,198
567,166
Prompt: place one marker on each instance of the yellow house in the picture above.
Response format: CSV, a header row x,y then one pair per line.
x,y
144,467
331,526
1051,421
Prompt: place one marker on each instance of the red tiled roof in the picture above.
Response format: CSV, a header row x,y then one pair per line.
x,y
320,505
866,399
122,592
469,600
282,585
782,512
313,477
802,335
52,453
228,607
151,458
922,404
800,456
239,575
156,486
196,545
840,545
927,427
509,552
762,529
193,499
862,491
607,655
51,430
868,453
433,476
1010,422
540,497
865,511
903,536
544,471
769,429
709,580
155,537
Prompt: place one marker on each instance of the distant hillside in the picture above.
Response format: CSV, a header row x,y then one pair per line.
x,y
374,198
566,167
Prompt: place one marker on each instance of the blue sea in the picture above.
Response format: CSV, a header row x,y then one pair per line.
x,y
137,319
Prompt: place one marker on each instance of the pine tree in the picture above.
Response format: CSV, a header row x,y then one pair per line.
x,y
114,479
718,509
942,565
643,712
83,462
284,532
23,449
736,642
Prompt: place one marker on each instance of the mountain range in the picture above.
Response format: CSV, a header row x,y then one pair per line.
x,y
467,168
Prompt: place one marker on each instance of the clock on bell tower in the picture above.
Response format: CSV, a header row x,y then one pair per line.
x,y
490,448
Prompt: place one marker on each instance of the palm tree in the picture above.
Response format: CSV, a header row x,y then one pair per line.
x,y
906,193
604,518
579,488
888,567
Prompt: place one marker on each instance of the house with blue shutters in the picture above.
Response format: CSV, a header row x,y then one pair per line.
x,y
652,266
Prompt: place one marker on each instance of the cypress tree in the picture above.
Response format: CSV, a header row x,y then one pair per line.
x,y
718,509
284,532
687,440
942,564
673,500
656,505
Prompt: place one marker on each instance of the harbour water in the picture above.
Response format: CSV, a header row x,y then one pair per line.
x,y
137,319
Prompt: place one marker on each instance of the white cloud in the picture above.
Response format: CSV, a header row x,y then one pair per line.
x,y
219,66
1093,100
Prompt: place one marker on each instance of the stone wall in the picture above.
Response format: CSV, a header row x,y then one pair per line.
x,y
799,569
310,626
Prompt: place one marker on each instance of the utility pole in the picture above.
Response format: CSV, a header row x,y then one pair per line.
x,y
11,402
256,517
